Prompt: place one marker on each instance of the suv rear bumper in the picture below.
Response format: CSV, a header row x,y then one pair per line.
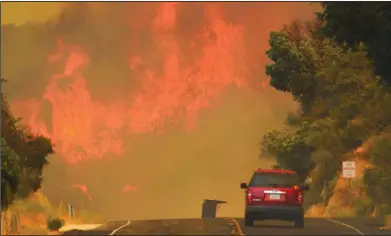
x,y
274,212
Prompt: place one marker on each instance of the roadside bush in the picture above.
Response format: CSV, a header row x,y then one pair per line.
x,y
344,212
23,157
378,179
10,174
328,189
384,210
363,206
54,224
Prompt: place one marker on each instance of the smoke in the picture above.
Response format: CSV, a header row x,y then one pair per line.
x,y
152,106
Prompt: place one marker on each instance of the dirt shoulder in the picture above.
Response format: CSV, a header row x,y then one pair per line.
x,y
387,224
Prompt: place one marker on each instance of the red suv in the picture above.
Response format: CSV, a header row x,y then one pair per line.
x,y
274,194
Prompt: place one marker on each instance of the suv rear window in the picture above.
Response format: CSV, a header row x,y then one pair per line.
x,y
274,180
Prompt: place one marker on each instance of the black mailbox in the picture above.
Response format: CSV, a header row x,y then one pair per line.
x,y
209,208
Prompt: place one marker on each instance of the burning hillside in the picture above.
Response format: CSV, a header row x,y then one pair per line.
x,y
165,86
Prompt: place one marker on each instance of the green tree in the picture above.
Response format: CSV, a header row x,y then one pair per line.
x,y
10,175
30,151
378,178
367,22
342,102
295,61
335,87
289,150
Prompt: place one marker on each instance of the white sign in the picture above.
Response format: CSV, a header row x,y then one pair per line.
x,y
349,169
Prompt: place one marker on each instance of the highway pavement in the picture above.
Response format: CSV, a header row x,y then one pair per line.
x,y
219,226
235,226
317,226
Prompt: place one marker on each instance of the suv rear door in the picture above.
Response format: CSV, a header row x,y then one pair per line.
x,y
274,188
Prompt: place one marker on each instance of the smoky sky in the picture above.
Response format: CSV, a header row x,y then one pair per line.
x,y
127,43
111,32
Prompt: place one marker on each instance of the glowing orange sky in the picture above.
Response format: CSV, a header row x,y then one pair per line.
x,y
172,92
169,96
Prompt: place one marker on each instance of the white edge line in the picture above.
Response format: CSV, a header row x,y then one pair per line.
x,y
346,225
119,228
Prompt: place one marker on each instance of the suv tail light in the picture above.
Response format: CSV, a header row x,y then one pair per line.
x,y
249,196
299,197
254,197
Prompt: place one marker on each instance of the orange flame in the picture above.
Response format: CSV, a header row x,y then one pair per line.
x,y
83,188
191,74
129,188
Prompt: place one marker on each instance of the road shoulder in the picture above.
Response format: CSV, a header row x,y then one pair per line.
x,y
367,225
218,226
313,226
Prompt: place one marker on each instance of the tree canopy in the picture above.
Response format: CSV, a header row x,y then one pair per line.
x,y
366,22
341,92
10,174
23,156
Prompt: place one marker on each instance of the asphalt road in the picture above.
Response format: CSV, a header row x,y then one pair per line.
x,y
199,226
235,226
318,226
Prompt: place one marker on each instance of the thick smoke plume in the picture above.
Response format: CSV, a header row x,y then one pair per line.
x,y
152,106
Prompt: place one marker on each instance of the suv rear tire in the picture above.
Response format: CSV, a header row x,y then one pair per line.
x,y
299,222
248,220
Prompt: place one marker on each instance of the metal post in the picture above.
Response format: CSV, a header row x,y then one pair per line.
x,y
71,211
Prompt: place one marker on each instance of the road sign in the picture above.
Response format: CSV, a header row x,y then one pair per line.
x,y
349,169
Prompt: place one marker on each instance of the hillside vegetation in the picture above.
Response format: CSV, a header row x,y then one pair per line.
x,y
336,68
23,158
